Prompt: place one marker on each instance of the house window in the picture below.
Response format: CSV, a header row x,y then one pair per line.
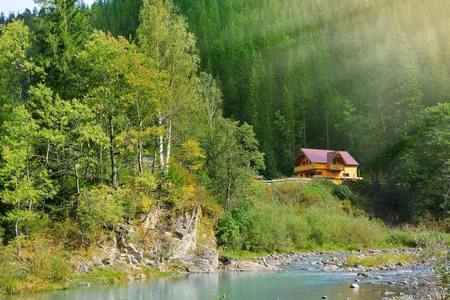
x,y
334,161
345,174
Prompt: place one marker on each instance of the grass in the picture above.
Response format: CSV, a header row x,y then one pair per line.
x,y
242,254
305,216
114,275
373,260
47,267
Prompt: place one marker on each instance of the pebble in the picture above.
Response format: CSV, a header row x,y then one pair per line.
x,y
324,297
354,286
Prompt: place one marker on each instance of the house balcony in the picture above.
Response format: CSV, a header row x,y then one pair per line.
x,y
317,166
336,167
305,168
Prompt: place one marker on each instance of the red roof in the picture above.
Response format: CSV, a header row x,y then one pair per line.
x,y
324,156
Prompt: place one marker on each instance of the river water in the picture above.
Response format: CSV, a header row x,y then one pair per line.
x,y
292,282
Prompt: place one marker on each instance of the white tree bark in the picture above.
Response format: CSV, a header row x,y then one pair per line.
x,y
161,144
169,142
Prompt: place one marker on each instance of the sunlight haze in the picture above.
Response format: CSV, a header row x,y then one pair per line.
x,y
7,6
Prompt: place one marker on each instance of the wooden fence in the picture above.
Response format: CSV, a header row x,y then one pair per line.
x,y
284,180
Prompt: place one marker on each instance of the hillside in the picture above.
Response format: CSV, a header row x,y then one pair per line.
x,y
123,156
369,77
180,237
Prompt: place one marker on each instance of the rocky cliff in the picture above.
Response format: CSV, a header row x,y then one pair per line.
x,y
166,239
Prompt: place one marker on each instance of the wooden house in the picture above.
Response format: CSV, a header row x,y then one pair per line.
x,y
336,166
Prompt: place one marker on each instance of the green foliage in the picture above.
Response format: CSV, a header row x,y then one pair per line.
x,y
225,296
235,226
100,209
18,68
232,158
294,73
443,273
62,31
45,268
342,192
402,237
389,258
293,221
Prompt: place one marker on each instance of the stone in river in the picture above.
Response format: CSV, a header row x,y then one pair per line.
x,y
354,286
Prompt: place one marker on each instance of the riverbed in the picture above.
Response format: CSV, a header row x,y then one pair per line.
x,y
301,280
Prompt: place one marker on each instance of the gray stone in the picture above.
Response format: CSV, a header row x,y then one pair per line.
x,y
354,286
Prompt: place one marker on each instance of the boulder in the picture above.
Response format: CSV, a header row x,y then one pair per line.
x,y
248,266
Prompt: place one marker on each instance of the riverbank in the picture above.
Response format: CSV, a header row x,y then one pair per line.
x,y
366,266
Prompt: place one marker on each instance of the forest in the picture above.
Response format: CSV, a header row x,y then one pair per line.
x,y
110,112
146,101
97,129
369,77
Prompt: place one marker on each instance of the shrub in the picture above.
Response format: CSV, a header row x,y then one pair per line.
x,y
342,192
227,231
43,268
402,237
269,231
234,227
100,210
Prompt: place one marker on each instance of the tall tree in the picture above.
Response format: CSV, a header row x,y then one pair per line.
x,y
163,37
62,31
17,67
23,173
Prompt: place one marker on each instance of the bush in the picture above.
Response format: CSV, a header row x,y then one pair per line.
x,y
44,268
234,227
269,232
300,216
342,192
100,210
402,237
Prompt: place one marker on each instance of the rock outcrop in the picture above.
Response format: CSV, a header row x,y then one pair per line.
x,y
163,240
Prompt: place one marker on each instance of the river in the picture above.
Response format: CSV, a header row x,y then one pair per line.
x,y
292,282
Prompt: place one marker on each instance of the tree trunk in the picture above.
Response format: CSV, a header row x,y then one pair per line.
x,y
161,143
169,140
19,250
77,178
113,154
141,168
227,204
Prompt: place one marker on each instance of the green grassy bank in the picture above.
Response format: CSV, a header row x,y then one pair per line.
x,y
304,216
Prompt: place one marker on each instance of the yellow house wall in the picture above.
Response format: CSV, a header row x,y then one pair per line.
x,y
352,172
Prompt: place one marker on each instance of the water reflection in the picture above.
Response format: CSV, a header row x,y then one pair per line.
x,y
291,283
